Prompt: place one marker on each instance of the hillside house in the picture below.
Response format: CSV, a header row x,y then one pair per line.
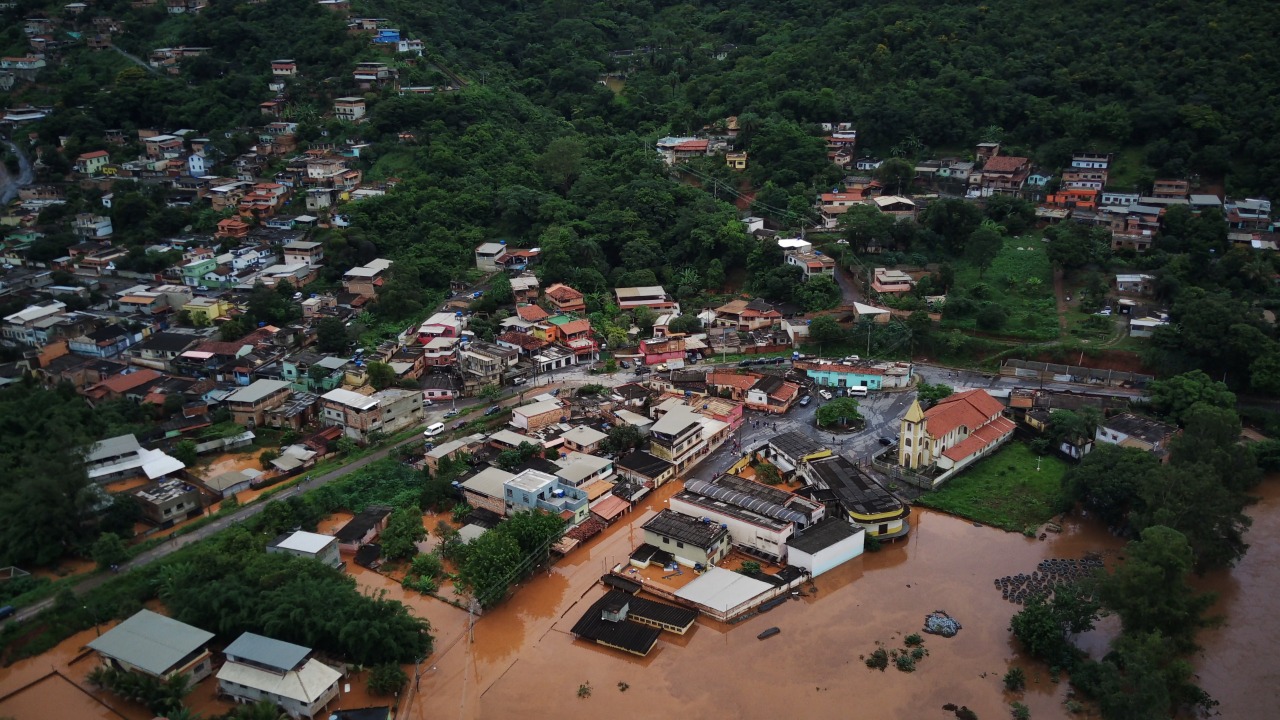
x,y
653,297
349,109
747,315
1134,431
359,416
814,264
1004,173
91,163
893,282
564,299
490,256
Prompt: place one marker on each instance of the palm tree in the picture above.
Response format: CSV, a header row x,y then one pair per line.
x,y
261,710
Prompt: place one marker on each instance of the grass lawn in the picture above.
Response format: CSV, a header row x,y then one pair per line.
x,y
1020,280
1004,490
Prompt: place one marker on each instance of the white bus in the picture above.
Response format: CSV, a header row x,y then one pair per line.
x,y
433,430
859,391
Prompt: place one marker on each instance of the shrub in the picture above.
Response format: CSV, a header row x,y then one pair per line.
x,y
1015,679
913,640
905,663
386,679
1020,711
879,660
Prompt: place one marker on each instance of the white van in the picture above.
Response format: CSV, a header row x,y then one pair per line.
x,y
859,391
433,430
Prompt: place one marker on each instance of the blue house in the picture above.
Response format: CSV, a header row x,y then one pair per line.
x,y
536,490
849,374
389,36
105,342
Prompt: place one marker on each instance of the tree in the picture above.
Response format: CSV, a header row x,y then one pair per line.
x,y
896,174
824,330
266,456
108,550
1040,632
768,474
687,324
954,220
381,375
840,411
930,394
623,438
864,225
185,453
1149,591
490,567
991,317
331,336
346,445
982,247
491,392
1173,397
261,710
404,530
386,679
818,293
1142,678
1073,246
500,290
1107,481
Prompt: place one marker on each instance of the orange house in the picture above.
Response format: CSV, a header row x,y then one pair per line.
x,y
1084,198
232,228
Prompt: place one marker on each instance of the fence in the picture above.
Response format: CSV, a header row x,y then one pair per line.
x,y
903,475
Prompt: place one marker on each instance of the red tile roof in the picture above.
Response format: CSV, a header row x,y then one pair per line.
x,y
125,383
973,409
1004,164
94,154
563,293
575,327
980,439
531,313
741,382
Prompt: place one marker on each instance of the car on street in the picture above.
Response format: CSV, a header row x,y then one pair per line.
x,y
451,414
493,409
662,367
744,363
520,381
777,361
642,370
460,424
886,441
826,394
804,401
624,364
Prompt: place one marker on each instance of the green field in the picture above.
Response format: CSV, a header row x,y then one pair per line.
x,y
1004,490
1020,280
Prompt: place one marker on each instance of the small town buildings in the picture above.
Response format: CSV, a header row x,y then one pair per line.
x,y
305,252
489,256
952,434
584,439
692,542
450,451
486,489
1135,284
359,416
538,415
736,160
1142,327
249,405
151,644
892,282
813,264
757,517
745,316
564,299
896,206
536,490
309,545
91,163
168,501
772,394
855,373
1134,431
628,622
365,281
349,109
825,546
646,469
363,529
652,297
1004,173
262,669
871,313
677,437
866,503
674,150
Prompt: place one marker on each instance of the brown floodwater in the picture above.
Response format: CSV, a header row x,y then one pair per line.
x,y
1238,664
524,660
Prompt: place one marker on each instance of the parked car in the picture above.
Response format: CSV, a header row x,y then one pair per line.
x,y
744,363
624,364
662,367
492,410
520,381
826,394
642,370
460,424
426,402
886,442
804,401
777,361
451,414
7,611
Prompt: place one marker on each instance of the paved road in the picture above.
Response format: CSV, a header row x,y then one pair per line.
x,y
9,185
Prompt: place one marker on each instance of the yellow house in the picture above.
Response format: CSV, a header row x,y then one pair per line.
x,y
736,160
204,311
868,503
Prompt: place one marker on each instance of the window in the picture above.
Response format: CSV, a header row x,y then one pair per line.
x,y
509,492
666,541
679,544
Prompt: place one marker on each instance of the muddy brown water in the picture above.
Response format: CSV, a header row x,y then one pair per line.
x,y
524,660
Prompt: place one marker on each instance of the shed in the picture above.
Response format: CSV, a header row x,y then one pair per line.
x,y
828,544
